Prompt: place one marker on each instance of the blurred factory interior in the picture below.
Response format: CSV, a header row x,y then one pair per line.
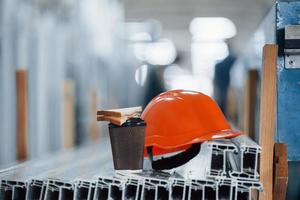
x,y
84,55
108,54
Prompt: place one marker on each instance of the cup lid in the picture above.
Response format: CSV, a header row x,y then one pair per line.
x,y
134,121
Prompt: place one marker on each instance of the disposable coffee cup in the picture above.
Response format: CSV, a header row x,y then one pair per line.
x,y
127,143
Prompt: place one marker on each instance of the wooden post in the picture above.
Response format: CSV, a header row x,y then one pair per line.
x,y
21,89
249,110
231,105
69,114
267,119
280,172
93,128
250,103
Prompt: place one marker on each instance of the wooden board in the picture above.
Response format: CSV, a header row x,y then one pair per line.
x,y
120,112
232,106
248,126
249,108
69,113
118,116
280,172
115,120
93,127
21,89
267,119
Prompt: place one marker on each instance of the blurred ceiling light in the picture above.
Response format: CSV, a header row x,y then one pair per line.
x,y
209,51
162,52
205,85
139,49
170,72
184,82
178,78
212,28
141,37
150,27
204,69
141,75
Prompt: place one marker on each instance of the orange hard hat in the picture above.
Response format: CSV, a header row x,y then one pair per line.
x,y
177,119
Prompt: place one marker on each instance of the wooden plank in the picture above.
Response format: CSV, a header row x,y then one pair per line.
x,y
280,172
93,127
249,110
231,110
115,120
120,112
21,89
118,116
69,130
267,119
250,103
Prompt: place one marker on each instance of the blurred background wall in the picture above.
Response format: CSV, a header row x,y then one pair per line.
x,y
81,55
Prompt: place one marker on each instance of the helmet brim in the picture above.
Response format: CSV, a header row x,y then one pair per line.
x,y
161,145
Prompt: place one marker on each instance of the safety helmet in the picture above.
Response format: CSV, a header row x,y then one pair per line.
x,y
177,119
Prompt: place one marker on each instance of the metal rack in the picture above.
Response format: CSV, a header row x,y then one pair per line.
x,y
87,173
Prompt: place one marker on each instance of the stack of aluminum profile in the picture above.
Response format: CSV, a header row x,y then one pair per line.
x,y
224,169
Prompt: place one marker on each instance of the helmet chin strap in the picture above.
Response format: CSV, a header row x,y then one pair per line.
x,y
174,161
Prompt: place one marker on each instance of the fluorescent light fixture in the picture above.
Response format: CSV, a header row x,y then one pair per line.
x,y
212,28
162,52
170,72
178,78
141,37
184,82
209,51
141,75
139,49
189,82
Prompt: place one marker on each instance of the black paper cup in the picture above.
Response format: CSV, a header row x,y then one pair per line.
x,y
127,143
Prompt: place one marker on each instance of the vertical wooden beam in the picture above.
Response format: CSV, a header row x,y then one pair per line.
x,y
249,110
69,114
267,119
280,172
250,103
21,89
93,128
231,105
